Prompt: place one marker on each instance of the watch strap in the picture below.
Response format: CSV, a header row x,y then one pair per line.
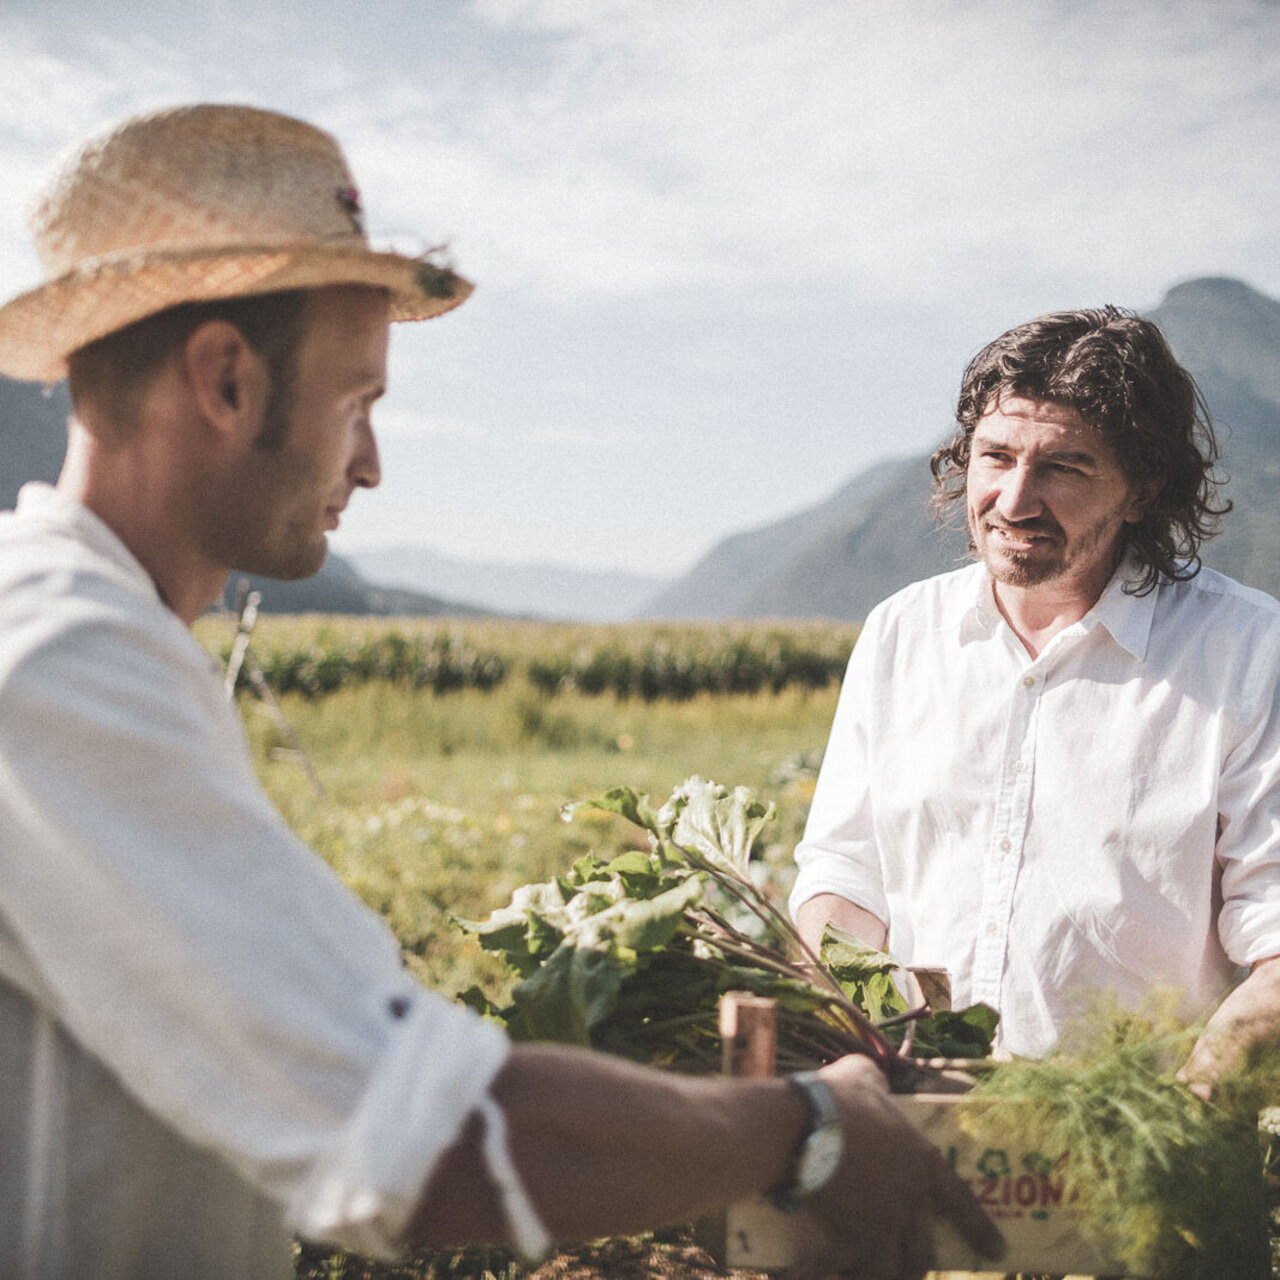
x,y
793,1188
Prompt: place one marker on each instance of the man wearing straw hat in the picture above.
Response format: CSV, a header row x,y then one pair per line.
x,y
206,1041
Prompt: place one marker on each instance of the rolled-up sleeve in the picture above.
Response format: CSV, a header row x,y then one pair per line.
x,y
209,959
838,853
1248,848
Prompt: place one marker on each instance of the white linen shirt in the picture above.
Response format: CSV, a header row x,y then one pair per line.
x,y
1105,817
206,1041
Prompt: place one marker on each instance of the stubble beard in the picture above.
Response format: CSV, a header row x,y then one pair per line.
x,y
1034,568
254,543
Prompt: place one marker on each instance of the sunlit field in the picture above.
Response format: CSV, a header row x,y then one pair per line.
x,y
433,806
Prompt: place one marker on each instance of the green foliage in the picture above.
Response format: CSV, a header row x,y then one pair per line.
x,y
442,662
652,663
1176,1183
631,955
679,667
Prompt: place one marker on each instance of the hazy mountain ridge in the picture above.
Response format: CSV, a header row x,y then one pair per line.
x,y
835,559
723,583
539,590
876,534
34,427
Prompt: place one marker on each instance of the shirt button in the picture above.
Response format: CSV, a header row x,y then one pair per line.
x,y
1028,682
992,929
1015,765
1005,846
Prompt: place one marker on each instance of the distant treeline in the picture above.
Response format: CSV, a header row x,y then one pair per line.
x,y
440,662
648,663
680,670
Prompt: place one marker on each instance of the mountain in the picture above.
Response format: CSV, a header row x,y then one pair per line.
x,y
723,583
340,588
874,535
33,427
530,590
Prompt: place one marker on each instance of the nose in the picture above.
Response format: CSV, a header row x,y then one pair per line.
x,y
1019,497
365,470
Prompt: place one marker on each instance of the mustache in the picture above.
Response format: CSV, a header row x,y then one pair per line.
x,y
1037,525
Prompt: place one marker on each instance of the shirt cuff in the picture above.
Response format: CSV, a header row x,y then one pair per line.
x,y
1249,931
361,1193
822,871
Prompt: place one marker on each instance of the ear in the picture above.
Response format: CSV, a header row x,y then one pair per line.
x,y
228,380
1141,499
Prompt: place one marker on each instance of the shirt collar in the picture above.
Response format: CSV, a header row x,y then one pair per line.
x,y
1127,617
979,617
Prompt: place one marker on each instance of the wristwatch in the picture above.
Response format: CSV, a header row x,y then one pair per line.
x,y
820,1149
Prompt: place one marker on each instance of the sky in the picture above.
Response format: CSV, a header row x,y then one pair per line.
x,y
727,253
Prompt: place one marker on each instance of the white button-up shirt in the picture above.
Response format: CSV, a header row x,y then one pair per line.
x,y
1103,817
206,1041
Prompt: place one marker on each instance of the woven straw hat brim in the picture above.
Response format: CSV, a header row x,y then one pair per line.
x,y
40,328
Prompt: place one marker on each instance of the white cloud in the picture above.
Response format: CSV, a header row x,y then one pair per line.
x,y
399,421
890,145
907,150
51,101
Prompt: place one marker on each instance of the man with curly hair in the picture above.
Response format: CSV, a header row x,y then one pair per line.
x,y
1056,772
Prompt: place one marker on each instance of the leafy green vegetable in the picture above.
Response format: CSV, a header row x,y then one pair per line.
x,y
632,955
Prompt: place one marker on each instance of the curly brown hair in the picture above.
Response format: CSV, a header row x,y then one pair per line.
x,y
1115,369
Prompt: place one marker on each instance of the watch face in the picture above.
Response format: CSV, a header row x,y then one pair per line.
x,y
819,1158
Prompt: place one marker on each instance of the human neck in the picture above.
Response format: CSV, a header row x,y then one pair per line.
x,y
139,498
1037,613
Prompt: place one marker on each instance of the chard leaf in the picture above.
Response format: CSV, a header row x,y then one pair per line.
x,y
587,867
957,1033
640,871
621,800
720,825
865,975
565,997
641,925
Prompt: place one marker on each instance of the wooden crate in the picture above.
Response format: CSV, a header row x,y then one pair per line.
x,y
1042,1229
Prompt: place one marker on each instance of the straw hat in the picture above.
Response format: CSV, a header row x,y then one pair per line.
x,y
193,204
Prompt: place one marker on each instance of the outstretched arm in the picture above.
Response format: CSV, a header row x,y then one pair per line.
x,y
605,1147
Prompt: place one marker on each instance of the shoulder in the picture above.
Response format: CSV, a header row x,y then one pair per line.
x,y
1218,634
1213,599
942,600
76,609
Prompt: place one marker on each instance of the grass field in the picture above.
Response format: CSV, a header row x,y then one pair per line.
x,y
440,805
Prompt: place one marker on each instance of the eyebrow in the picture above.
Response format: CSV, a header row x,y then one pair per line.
x,y
1078,457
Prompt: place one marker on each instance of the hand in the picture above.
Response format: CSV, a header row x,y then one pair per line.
x,y
874,1219
1247,1019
